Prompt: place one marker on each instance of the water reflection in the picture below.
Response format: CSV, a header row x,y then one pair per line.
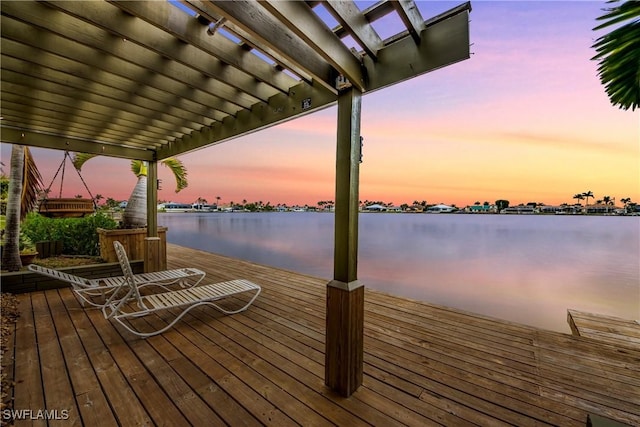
x,y
527,269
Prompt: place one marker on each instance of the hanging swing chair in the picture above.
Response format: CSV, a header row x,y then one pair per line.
x,y
66,207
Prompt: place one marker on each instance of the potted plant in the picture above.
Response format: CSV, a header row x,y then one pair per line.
x,y
27,250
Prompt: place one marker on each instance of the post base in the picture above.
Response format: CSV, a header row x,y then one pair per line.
x,y
344,340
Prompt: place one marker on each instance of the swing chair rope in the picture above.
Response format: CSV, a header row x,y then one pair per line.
x,y
93,200
63,167
46,192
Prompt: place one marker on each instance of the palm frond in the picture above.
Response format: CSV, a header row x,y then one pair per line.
x,y
138,168
618,53
179,171
31,184
79,159
616,15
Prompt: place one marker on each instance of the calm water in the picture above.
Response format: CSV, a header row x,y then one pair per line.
x,y
527,269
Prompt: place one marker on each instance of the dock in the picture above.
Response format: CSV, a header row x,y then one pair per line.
x,y
607,329
424,364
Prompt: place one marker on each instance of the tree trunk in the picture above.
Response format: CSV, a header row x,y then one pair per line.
x,y
135,214
11,250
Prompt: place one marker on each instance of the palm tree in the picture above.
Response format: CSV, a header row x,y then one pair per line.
x,y
135,214
579,196
25,183
627,203
618,53
586,195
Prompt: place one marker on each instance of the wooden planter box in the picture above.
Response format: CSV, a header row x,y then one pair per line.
x,y
29,281
133,240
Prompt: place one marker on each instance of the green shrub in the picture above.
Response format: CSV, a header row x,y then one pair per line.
x,y
79,236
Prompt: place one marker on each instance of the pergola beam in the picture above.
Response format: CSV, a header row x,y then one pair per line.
x,y
188,29
136,30
448,43
262,29
303,99
12,135
411,17
355,24
445,42
302,21
108,52
45,65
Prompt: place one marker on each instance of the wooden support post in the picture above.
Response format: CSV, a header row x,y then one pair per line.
x,y
155,256
345,295
152,253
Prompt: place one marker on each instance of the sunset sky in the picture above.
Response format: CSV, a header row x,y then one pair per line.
x,y
524,119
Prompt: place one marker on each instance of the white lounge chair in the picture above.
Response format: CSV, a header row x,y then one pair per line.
x,y
96,291
123,310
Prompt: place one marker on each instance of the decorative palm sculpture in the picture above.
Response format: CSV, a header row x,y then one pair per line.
x,y
135,214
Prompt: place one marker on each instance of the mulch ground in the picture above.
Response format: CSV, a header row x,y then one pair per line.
x,y
9,313
65,261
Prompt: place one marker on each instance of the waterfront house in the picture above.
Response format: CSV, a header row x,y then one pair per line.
x,y
481,209
375,208
440,208
549,209
520,210
600,208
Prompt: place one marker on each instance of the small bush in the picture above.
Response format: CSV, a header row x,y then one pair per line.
x,y
78,235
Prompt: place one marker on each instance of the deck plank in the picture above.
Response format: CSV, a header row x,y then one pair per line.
x,y
92,404
607,329
28,390
113,366
226,371
424,364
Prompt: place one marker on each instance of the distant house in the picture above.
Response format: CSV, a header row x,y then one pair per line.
x,y
174,207
481,209
441,208
569,210
375,208
549,209
521,210
599,208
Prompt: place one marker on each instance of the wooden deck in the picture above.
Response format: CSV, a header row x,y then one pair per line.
x,y
424,364
608,329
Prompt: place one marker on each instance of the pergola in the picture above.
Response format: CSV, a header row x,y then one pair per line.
x,y
150,80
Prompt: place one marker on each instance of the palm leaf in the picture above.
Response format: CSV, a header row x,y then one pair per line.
x,y
31,184
179,172
138,168
79,159
618,53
